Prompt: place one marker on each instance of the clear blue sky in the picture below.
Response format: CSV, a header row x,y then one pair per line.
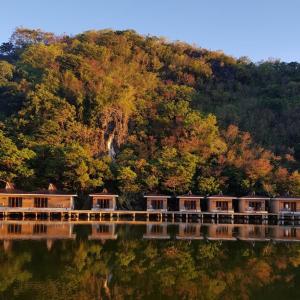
x,y
259,29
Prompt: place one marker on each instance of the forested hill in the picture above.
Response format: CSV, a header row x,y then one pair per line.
x,y
134,114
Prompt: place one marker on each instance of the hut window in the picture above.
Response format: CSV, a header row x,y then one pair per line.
x,y
14,228
289,232
156,229
103,203
222,230
39,228
289,206
255,231
189,229
102,229
157,204
15,201
190,204
40,202
256,205
222,205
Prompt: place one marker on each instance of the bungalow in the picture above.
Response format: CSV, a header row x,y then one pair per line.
x,y
286,233
12,230
156,231
221,232
103,232
157,202
51,198
104,201
251,232
190,203
253,204
220,203
285,205
189,231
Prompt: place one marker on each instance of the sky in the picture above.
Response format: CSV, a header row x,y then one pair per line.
x,y
258,29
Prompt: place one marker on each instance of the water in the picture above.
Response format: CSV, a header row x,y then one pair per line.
x,y
60,260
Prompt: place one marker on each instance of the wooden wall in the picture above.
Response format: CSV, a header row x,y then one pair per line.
x,y
28,201
182,207
112,201
212,203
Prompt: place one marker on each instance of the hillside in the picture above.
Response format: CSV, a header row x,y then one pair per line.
x,y
131,113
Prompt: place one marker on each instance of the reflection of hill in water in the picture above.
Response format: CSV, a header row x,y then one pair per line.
x,y
113,261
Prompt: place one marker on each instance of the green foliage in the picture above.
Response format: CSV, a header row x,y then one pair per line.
x,y
13,161
71,167
208,185
6,71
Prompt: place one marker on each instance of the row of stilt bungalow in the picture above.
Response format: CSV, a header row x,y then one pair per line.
x,y
52,199
225,204
51,232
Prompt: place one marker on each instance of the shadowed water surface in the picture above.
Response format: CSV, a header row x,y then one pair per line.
x,y
148,261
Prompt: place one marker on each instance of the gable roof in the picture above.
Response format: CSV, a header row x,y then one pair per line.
x,y
191,196
254,197
156,196
286,198
103,194
220,196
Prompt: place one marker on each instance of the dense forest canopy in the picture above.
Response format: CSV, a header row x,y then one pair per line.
x,y
132,113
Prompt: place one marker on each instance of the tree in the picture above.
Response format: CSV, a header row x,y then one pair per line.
x,y
71,167
208,185
6,71
14,163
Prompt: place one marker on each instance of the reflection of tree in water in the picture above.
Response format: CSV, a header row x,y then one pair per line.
x,y
140,269
13,269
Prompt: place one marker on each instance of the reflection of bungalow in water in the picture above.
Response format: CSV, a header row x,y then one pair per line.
x,y
285,233
220,203
189,231
251,232
50,231
156,231
285,205
190,203
157,203
105,231
104,201
253,204
221,232
51,198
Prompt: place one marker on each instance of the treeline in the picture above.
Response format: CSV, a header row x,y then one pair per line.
x,y
134,114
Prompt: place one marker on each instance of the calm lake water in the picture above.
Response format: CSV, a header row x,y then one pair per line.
x,y
155,261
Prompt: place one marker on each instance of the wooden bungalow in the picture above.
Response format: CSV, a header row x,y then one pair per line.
x,y
286,233
253,204
50,198
189,231
156,231
28,230
190,203
220,203
157,202
221,232
285,205
253,232
103,231
104,201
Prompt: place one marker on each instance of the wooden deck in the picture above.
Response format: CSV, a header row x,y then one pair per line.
x,y
94,215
